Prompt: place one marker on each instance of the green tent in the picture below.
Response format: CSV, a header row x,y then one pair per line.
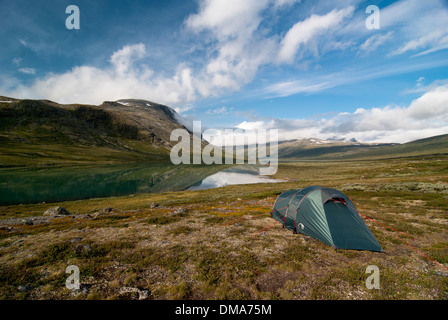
x,y
325,214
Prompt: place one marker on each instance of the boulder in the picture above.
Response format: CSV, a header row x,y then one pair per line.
x,y
107,210
56,211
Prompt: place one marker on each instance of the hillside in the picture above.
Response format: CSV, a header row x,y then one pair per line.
x,y
42,132
316,149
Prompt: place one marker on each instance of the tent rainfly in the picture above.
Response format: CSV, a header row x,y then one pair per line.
x,y
325,214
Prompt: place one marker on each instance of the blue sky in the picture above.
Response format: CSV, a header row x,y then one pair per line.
x,y
307,68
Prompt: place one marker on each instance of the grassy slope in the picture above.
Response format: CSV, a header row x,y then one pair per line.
x,y
213,249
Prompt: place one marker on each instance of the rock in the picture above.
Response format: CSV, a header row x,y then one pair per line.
x,y
107,210
143,294
83,248
56,211
27,222
75,239
179,211
17,242
96,215
154,205
83,289
24,288
102,212
441,274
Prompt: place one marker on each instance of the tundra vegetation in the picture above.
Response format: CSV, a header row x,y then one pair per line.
x,y
222,244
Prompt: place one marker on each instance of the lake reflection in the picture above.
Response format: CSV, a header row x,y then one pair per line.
x,y
232,177
56,184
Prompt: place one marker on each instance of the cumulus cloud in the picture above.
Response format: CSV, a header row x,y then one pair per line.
x,y
423,117
239,48
124,77
123,59
236,44
239,40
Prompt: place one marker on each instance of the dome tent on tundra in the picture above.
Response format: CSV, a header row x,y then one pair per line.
x,y
325,214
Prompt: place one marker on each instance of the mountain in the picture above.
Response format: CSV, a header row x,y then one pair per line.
x,y
42,132
317,149
155,121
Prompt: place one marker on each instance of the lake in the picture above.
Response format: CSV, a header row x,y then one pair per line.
x,y
55,184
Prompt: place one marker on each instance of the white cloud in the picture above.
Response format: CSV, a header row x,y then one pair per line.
x,y
237,46
226,18
425,116
420,25
431,39
123,78
220,111
235,53
304,31
287,88
123,59
373,42
432,105
27,70
241,46
16,61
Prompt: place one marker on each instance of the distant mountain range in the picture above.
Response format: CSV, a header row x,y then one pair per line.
x,y
317,149
42,132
